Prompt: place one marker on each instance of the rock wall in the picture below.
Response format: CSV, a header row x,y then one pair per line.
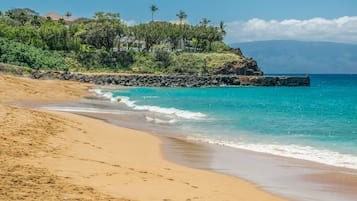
x,y
175,80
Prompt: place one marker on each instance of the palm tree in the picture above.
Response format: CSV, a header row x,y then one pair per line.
x,y
181,15
68,14
221,27
153,9
205,21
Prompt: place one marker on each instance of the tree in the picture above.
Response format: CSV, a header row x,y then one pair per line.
x,y
221,27
174,35
10,14
21,15
36,21
61,21
204,22
54,34
152,33
153,9
181,15
103,30
68,14
22,18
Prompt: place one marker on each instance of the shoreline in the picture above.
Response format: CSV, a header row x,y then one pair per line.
x,y
206,178
299,173
212,159
308,178
91,159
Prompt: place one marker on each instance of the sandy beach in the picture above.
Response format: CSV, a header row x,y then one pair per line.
x,y
62,156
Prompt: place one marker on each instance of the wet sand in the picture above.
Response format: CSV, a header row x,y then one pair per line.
x,y
61,156
292,178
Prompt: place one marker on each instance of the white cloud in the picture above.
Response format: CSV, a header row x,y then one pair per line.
x,y
343,29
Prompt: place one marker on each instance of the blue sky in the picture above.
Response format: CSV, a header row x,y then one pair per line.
x,y
247,20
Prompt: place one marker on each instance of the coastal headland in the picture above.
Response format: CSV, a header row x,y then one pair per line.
x,y
226,76
59,156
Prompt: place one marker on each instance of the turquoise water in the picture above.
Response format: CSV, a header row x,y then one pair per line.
x,y
317,123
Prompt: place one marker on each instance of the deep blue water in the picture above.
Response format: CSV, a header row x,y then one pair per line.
x,y
317,123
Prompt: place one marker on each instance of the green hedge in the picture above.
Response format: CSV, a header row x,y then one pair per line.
x,y
26,55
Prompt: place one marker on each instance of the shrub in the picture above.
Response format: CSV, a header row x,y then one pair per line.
x,y
27,55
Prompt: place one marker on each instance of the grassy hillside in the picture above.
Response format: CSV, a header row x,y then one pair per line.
x,y
182,63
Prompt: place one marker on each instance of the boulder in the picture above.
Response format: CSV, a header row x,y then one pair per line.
x,y
245,67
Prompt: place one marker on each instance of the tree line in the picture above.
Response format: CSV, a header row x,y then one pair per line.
x,y
105,40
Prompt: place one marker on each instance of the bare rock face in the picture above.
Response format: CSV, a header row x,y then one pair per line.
x,y
246,67
237,51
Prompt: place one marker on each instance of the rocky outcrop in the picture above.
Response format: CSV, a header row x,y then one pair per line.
x,y
291,81
174,80
245,67
237,51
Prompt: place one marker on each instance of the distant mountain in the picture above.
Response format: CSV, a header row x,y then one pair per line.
x,y
302,57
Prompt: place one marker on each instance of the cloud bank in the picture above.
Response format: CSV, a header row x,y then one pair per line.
x,y
343,29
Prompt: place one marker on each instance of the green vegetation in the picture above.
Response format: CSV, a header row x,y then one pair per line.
x,y
105,43
29,56
181,63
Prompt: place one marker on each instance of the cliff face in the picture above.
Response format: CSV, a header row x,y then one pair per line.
x,y
247,66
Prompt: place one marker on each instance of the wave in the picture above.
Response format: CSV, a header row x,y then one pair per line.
x,y
308,153
183,114
160,121
107,95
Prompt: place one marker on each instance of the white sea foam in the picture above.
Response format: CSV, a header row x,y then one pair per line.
x,y
107,95
159,121
167,111
323,156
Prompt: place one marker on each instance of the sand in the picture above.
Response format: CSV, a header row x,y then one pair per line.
x,y
15,90
61,156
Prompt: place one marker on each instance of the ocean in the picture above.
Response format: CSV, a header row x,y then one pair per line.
x,y
316,123
254,133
